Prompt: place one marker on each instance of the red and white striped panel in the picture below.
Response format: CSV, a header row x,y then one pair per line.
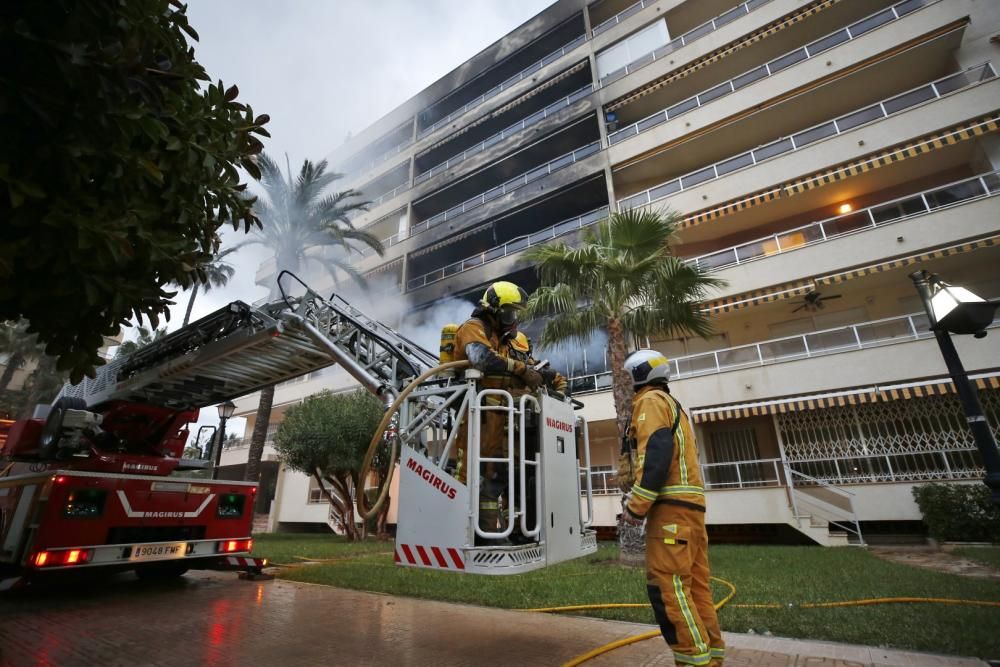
x,y
244,561
444,558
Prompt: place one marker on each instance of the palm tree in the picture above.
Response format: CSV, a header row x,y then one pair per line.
x,y
215,273
145,337
298,221
622,278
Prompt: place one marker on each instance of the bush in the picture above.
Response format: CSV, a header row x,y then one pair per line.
x,y
959,512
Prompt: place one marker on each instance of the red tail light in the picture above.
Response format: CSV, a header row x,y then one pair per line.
x,y
62,558
41,558
232,546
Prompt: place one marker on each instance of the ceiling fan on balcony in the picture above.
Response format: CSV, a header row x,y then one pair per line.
x,y
813,301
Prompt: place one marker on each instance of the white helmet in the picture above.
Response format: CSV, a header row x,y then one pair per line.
x,y
646,366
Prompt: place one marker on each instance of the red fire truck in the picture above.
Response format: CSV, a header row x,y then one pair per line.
x,y
98,479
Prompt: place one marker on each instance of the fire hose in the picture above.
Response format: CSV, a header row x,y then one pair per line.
x,y
364,510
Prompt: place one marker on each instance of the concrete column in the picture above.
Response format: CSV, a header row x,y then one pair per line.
x,y
586,19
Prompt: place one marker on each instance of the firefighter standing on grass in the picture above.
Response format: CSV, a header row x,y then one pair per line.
x,y
669,494
482,341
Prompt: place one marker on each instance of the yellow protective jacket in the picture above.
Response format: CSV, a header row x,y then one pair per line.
x,y
478,342
668,470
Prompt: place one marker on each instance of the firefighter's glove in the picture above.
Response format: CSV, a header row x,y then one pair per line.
x,y
549,376
532,378
560,384
628,518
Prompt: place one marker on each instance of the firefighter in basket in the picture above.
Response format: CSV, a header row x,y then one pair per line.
x,y
482,340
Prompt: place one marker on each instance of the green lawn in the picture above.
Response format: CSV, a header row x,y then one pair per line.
x,y
784,575
986,555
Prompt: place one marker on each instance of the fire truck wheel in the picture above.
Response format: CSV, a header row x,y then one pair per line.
x,y
160,572
48,443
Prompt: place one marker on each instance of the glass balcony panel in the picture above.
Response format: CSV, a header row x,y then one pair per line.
x,y
415,283
561,162
565,227
551,58
614,76
540,237
910,99
772,149
754,4
700,364
896,210
452,269
992,182
749,77
698,32
535,174
682,107
730,16
454,210
582,384
600,214
787,60
493,253
905,8
534,118
635,200
814,134
517,244
828,42
665,189
860,118
847,223
644,59
960,80
579,95
590,149
698,177
625,13
872,22
800,237
622,135
603,381
718,260
757,249
652,121
788,348
922,325
880,332
715,93
493,193
737,357
733,164
472,262
955,193
827,341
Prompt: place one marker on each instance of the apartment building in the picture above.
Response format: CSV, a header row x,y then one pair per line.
x,y
816,151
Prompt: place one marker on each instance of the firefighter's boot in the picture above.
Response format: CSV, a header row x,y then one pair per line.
x,y
489,508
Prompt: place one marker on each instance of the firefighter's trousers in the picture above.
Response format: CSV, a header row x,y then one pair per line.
x,y
493,444
677,581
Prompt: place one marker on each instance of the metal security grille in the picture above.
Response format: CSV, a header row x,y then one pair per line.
x,y
734,460
905,440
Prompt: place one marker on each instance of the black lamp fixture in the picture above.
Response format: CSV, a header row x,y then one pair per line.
x,y
226,411
956,310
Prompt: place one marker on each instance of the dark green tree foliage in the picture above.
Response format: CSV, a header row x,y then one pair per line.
x,y
326,437
958,512
118,165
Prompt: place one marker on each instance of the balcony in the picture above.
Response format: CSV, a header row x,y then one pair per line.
x,y
871,217
768,69
510,248
864,336
507,132
688,37
785,145
505,85
509,186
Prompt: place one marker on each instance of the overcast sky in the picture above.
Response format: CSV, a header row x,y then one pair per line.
x,y
324,68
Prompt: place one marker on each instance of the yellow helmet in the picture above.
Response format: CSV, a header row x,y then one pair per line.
x,y
505,293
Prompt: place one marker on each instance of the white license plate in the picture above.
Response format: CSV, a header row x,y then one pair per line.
x,y
159,551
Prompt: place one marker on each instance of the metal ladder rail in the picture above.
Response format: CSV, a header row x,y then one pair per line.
x,y
475,460
523,471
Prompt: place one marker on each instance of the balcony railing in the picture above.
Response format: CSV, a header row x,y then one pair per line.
x,y
610,23
753,474
506,132
383,198
510,247
789,144
509,186
895,210
779,350
496,90
691,35
604,481
780,63
382,157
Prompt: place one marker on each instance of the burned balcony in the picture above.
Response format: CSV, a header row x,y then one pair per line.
x,y
387,186
522,64
382,149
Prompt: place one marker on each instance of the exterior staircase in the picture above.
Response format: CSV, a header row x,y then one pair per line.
x,y
822,512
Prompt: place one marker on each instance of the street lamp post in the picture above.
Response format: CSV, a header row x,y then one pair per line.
x,y
956,310
226,411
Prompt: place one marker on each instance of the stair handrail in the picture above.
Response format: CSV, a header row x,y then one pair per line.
x,y
824,506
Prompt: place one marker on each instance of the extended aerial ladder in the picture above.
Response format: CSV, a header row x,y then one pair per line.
x,y
240,349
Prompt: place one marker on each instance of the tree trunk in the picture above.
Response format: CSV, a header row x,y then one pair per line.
x,y
631,539
382,519
336,504
15,362
259,434
187,314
